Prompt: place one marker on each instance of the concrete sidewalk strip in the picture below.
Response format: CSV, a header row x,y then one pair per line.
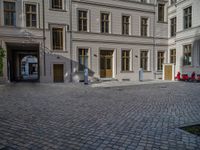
x,y
128,83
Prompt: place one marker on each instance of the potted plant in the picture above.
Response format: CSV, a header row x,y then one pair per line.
x,y
2,55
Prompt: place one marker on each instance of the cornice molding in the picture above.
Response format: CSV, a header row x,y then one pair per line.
x,y
117,6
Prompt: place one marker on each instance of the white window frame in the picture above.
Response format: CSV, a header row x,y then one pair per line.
x,y
37,13
64,36
148,24
89,57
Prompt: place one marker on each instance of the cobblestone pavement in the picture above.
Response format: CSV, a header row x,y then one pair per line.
x,y
61,117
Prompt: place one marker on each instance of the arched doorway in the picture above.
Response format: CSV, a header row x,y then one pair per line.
x,y
29,68
23,62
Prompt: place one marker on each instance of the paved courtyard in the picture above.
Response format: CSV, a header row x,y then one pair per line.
x,y
37,116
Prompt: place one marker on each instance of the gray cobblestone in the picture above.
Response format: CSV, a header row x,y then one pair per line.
x,y
71,117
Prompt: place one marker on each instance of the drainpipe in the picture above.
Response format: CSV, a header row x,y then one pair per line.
x,y
71,45
154,40
44,37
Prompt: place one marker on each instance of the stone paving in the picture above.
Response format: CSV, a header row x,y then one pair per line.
x,y
64,117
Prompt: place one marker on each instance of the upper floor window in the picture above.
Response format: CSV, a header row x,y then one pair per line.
x,y
9,14
31,15
105,23
173,2
187,55
125,25
187,17
160,60
144,26
173,26
144,60
173,56
57,4
82,20
126,60
83,58
57,38
161,12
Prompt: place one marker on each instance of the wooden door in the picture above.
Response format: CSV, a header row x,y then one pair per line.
x,y
58,73
168,72
106,63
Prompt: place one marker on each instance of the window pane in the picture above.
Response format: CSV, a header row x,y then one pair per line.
x,y
57,38
104,23
187,58
9,13
83,59
161,12
82,20
187,17
57,4
144,60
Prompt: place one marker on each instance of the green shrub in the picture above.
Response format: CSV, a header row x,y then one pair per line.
x,y
2,55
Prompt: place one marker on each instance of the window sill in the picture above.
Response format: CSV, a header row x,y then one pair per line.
x,y
10,26
144,36
59,51
173,36
31,27
126,71
83,31
164,22
146,71
105,33
54,9
126,34
185,29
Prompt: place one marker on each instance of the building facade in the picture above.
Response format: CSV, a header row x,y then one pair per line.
x,y
112,38
184,35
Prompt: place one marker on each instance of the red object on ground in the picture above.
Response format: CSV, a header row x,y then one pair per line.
x,y
193,77
178,76
185,77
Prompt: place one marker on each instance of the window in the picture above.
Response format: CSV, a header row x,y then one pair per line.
x,y
161,12
144,60
104,23
125,25
83,58
173,2
57,4
160,60
82,20
144,26
126,60
31,18
187,55
9,14
57,34
187,17
173,56
173,27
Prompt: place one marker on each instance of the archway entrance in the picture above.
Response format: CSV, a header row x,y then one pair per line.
x,y
23,62
29,68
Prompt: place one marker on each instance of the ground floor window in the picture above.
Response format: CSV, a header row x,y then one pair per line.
x,y
187,55
125,60
144,60
173,56
160,61
83,58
